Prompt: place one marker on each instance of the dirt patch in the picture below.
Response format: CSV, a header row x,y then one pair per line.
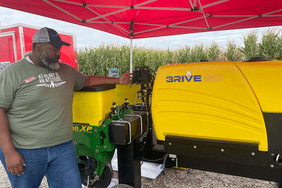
x,y
179,179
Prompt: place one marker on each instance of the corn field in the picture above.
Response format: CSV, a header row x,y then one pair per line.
x,y
98,60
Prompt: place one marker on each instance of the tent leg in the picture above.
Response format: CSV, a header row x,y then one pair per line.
x,y
130,54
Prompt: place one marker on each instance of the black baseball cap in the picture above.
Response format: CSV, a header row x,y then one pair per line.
x,y
49,35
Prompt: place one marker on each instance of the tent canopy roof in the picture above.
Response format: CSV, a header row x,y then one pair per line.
x,y
152,18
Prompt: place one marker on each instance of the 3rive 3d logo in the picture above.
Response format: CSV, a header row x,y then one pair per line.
x,y
194,78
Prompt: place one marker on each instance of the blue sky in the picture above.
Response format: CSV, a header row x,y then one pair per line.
x,y
91,37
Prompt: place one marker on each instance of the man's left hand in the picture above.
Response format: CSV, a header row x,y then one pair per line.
x,y
125,78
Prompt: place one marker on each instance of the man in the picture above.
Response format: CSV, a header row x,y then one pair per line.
x,y
36,115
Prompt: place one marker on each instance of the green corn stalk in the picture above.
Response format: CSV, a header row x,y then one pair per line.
x,y
232,53
198,53
183,55
213,52
250,48
98,60
271,45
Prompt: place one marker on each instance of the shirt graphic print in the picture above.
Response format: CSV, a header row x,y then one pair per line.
x,y
50,80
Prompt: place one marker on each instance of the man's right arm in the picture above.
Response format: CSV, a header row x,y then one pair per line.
x,y
14,159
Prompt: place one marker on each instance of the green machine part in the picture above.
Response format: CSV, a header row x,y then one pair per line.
x,y
93,141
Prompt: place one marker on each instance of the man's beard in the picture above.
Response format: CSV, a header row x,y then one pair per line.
x,y
51,63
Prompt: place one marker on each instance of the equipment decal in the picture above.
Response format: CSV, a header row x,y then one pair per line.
x,y
194,78
84,129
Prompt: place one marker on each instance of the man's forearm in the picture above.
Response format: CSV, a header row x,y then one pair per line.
x,y
99,80
6,143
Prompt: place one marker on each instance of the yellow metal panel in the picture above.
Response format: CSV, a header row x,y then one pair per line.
x,y
92,107
265,79
127,91
210,100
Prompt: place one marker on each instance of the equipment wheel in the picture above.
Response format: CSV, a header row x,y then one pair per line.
x,y
106,178
88,171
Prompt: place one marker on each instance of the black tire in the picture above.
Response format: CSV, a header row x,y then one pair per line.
x,y
104,180
106,177
122,186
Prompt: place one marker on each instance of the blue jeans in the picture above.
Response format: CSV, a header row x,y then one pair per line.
x,y
58,163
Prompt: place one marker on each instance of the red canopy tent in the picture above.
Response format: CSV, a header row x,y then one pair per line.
x,y
135,19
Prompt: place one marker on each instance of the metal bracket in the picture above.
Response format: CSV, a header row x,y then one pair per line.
x,y
141,127
129,128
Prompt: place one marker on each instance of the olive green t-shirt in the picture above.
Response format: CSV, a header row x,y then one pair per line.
x,y
39,102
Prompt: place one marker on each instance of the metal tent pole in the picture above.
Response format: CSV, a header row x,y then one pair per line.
x,y
131,54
